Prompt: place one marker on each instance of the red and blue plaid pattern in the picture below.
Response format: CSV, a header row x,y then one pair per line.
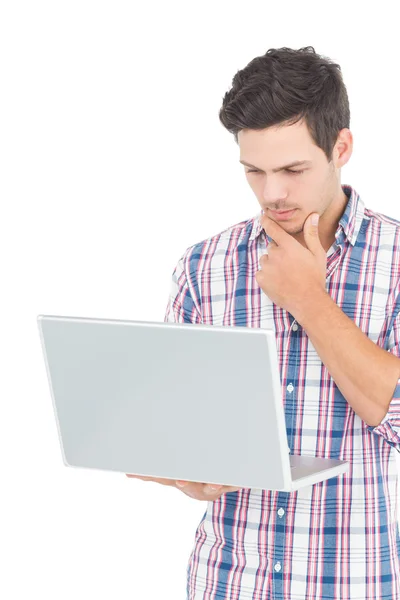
x,y
338,538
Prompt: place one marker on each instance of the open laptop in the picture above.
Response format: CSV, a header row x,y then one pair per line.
x,y
176,400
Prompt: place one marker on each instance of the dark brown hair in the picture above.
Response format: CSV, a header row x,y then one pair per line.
x,y
282,87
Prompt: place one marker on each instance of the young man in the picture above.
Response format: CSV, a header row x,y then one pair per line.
x,y
331,292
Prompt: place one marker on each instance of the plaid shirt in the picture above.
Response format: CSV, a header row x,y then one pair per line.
x,y
338,538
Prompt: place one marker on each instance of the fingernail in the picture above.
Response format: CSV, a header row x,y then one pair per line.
x,y
315,219
181,483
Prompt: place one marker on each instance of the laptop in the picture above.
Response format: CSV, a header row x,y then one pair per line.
x,y
174,400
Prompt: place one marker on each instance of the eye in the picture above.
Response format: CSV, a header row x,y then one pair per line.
x,y
287,170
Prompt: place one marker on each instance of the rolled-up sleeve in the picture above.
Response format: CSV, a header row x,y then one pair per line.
x,y
389,427
183,305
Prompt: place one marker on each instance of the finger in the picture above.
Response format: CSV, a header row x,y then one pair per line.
x,y
221,489
162,480
214,495
210,488
232,489
196,491
145,478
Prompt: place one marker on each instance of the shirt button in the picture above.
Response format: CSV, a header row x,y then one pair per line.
x,y
290,388
295,327
277,567
281,512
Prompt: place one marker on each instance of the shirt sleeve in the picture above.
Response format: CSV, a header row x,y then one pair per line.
x,y
183,305
389,427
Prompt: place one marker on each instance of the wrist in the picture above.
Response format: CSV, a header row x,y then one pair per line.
x,y
317,301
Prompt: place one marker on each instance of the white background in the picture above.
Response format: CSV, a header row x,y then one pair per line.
x,y
113,162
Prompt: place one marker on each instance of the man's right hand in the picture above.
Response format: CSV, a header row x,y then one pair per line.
x,y
195,490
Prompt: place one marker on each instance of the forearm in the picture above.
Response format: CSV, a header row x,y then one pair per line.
x,y
365,373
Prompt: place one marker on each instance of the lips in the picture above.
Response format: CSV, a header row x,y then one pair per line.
x,y
283,215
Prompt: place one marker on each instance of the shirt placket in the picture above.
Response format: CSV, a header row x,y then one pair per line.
x,y
278,558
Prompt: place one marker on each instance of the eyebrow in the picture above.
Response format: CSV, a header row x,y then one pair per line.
x,y
293,164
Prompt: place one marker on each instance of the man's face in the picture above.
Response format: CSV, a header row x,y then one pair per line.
x,y
312,187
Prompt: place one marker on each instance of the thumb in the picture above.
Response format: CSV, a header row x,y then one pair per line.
x,y
311,232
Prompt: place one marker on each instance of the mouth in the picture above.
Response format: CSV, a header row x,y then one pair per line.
x,y
283,214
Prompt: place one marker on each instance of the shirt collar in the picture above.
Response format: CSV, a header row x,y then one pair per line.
x,y
348,226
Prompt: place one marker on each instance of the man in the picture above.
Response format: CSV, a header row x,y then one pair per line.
x,y
331,292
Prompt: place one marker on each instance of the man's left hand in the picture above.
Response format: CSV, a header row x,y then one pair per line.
x,y
291,274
